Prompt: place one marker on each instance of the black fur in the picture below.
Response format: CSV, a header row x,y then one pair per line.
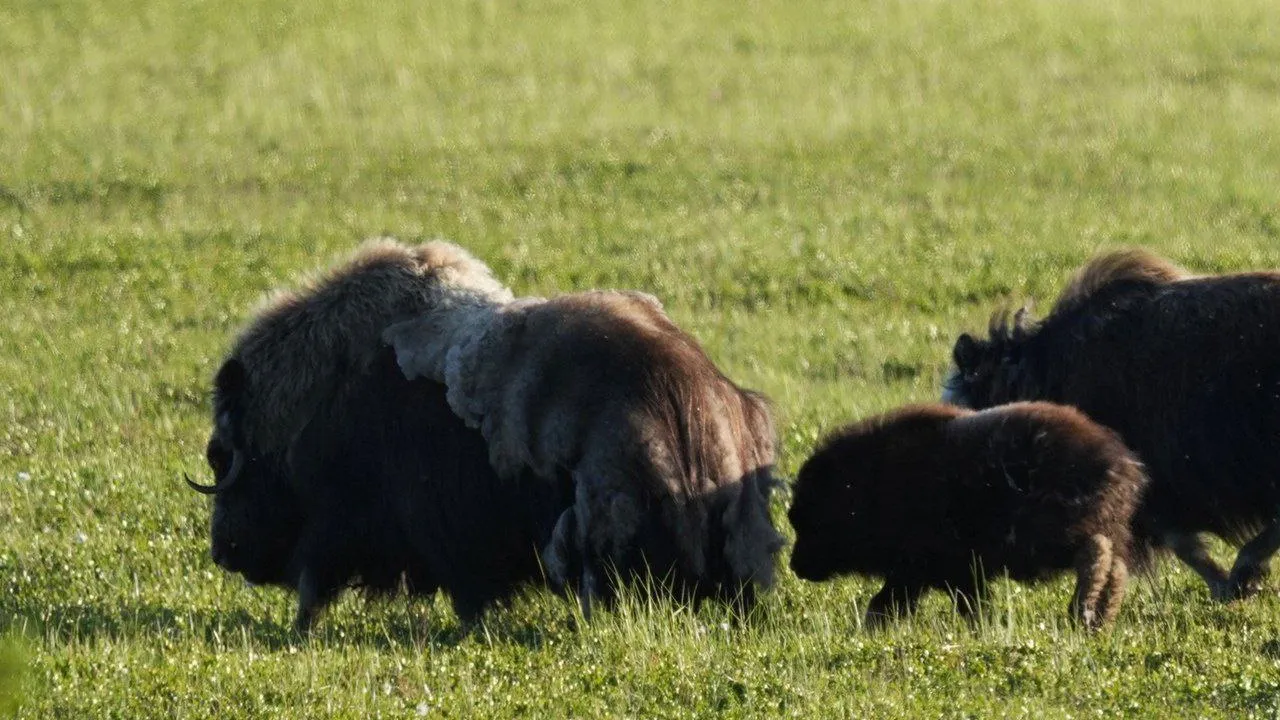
x,y
1188,372
383,485
940,497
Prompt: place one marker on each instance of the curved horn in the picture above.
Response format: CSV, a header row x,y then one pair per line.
x,y
202,489
1020,323
237,465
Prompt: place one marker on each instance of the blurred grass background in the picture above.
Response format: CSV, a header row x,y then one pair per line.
x,y
825,193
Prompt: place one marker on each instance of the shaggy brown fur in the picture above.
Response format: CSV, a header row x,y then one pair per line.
x,y
1187,370
331,468
671,461
1135,266
302,344
935,496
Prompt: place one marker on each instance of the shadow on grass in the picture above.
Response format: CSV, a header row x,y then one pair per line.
x,y
405,624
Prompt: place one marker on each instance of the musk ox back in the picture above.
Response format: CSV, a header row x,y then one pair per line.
x,y
1186,369
331,468
670,462
936,496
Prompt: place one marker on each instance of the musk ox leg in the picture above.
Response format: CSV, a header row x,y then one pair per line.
x,y
606,521
1093,571
898,598
1191,550
588,589
1251,567
1113,594
314,594
560,558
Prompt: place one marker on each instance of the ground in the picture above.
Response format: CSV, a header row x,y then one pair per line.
x,y
824,192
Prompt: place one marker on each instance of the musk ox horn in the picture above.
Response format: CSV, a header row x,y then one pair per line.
x,y
237,464
202,489
1020,323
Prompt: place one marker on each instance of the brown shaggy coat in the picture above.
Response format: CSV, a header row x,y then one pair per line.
x,y
935,496
332,469
670,461
1186,369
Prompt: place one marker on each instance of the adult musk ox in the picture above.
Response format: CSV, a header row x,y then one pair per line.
x,y
670,462
332,469
936,496
1186,369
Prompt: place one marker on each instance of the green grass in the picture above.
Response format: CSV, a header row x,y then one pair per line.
x,y
824,192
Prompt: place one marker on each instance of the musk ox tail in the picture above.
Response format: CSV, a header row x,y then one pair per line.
x,y
1135,266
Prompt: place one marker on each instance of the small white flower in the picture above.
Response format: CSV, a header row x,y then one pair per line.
x,y
82,538
422,709
24,476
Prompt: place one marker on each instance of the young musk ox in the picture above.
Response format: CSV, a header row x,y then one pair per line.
x,y
670,462
936,496
332,469
1186,369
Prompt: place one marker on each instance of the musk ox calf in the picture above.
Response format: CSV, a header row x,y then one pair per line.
x,y
670,462
1186,369
332,469
936,496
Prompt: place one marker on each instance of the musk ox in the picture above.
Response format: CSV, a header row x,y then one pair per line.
x,y
670,462
936,496
332,469
1186,369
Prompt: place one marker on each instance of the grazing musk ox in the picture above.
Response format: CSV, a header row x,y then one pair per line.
x,y
1186,369
936,496
332,469
670,462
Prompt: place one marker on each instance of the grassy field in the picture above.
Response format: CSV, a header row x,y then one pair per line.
x,y
824,192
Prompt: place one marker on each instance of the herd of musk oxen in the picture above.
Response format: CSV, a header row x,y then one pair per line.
x,y
405,424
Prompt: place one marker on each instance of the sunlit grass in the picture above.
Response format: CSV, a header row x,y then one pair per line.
x,y
824,192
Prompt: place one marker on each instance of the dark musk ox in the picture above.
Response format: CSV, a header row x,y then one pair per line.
x,y
1186,369
936,496
331,469
670,462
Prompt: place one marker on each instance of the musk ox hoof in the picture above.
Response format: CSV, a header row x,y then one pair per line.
x,y
1245,582
1089,620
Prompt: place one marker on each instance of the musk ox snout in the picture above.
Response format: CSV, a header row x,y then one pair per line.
x,y
805,563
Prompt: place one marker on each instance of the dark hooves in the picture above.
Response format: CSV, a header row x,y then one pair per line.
x,y
1244,583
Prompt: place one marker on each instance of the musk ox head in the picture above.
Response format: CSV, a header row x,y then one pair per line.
x,y
996,371
828,505
257,519
322,452
846,506
985,372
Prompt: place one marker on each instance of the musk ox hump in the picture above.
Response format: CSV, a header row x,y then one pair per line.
x,y
302,342
1134,265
